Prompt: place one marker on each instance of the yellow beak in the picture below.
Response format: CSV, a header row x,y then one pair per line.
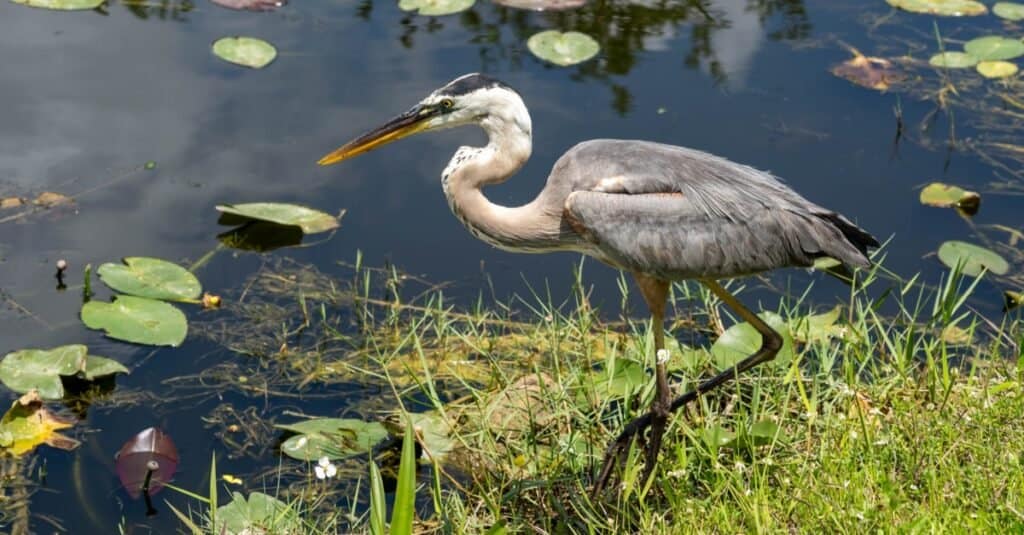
x,y
407,124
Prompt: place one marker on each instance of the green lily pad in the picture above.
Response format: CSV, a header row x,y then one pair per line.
x,y
1009,10
152,278
61,5
947,196
563,49
138,320
818,327
994,48
622,379
972,258
1012,300
260,513
716,437
997,69
309,220
40,369
334,438
96,366
431,428
245,51
742,340
763,433
435,8
948,8
953,60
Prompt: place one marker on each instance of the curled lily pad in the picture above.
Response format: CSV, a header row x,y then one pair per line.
x,y
947,196
949,8
261,236
41,369
435,8
994,48
260,513
62,5
134,461
245,51
309,220
334,438
996,69
152,278
953,60
1012,300
138,320
973,259
1009,10
742,340
563,49
28,424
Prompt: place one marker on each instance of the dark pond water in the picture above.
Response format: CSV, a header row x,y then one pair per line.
x,y
88,98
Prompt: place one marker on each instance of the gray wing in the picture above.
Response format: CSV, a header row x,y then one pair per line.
x,y
681,213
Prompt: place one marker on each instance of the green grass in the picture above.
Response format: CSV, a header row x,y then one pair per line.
x,y
905,416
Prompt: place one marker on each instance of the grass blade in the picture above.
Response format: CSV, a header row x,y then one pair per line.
x,y
378,507
405,492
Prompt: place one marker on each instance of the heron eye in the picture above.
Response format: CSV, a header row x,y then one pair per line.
x,y
447,103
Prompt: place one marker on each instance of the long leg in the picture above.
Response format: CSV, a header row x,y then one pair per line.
x,y
771,343
655,292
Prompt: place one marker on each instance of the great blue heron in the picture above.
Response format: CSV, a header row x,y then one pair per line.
x,y
661,212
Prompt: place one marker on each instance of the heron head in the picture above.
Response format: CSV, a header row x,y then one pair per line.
x,y
468,99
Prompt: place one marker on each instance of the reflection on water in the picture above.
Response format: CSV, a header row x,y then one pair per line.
x,y
162,10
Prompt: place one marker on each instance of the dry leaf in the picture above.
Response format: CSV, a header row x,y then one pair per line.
x,y
873,73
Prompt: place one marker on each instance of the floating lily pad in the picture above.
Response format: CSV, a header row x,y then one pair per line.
x,y
949,8
334,438
28,424
563,49
953,60
309,220
245,51
818,327
435,8
997,69
260,513
152,278
40,369
947,196
96,366
972,258
138,320
1009,10
432,430
62,5
742,340
261,236
873,73
994,48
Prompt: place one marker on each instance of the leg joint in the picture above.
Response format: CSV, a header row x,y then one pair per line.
x,y
771,342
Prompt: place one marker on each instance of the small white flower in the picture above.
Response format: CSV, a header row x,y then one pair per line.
x,y
325,468
663,355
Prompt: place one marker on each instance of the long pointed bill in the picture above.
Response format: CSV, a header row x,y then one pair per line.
x,y
407,124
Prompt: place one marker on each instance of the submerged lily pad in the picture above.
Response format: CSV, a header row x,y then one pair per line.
x,y
742,340
334,438
309,220
41,369
245,51
260,513
869,72
261,236
28,424
138,320
152,278
997,69
1009,10
62,5
949,8
953,60
973,259
994,48
563,49
947,196
435,8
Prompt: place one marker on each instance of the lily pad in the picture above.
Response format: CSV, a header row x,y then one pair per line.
x,y
260,513
873,73
334,438
435,8
622,379
818,327
949,8
742,340
40,369
62,5
28,424
994,48
138,320
997,69
563,49
947,196
1009,10
542,5
261,237
1012,300
133,461
245,51
96,366
152,278
953,60
972,258
309,220
432,430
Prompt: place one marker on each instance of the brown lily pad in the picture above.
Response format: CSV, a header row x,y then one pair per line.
x,y
49,199
873,73
11,202
28,424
